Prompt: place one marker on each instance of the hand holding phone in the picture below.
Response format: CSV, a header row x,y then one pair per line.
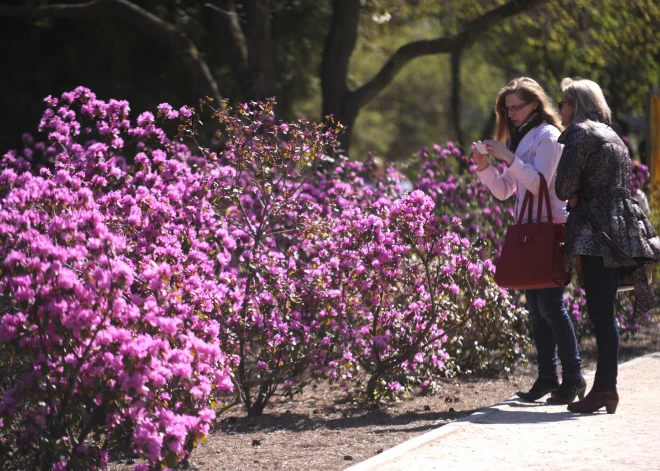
x,y
480,155
481,147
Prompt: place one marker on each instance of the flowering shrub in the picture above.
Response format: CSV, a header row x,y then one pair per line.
x,y
463,195
255,185
302,298
484,222
397,287
140,283
640,177
106,287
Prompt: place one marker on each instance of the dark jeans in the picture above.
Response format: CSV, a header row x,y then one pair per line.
x,y
600,286
553,331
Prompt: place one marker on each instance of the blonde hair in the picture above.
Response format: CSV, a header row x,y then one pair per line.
x,y
529,91
587,98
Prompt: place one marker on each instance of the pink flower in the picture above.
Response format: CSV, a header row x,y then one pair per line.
x,y
479,303
394,386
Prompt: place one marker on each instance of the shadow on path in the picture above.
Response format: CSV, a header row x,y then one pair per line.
x,y
508,412
303,422
512,412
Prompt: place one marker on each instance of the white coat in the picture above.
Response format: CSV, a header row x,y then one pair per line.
x,y
538,152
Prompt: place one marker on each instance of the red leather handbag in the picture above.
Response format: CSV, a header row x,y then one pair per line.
x,y
533,252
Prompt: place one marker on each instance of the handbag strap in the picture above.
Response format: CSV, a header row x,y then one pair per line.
x,y
528,203
544,194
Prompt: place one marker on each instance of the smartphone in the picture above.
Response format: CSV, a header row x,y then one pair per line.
x,y
481,147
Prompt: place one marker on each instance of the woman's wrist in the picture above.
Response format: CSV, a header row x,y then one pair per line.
x,y
510,159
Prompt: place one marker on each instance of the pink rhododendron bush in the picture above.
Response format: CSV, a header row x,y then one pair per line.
x,y
337,277
143,284
107,293
405,298
463,195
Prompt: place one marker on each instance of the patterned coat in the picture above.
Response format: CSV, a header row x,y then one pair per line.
x,y
606,222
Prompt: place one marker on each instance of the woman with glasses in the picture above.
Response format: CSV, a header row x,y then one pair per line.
x,y
606,228
530,127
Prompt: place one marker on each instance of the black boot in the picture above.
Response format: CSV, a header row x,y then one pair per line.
x,y
569,389
541,388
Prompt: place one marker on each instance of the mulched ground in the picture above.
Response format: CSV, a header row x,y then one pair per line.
x,y
324,430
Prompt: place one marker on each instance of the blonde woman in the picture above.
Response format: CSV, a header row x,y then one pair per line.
x,y
530,127
606,228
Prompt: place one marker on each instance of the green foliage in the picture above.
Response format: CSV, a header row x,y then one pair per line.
x,y
396,123
414,109
613,42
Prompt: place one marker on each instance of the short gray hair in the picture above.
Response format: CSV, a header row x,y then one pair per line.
x,y
586,97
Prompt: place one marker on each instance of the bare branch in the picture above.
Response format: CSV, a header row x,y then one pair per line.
x,y
220,10
76,10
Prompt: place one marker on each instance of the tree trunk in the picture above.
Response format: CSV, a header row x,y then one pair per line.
x,y
256,409
344,103
456,97
456,101
261,67
338,99
348,117
372,384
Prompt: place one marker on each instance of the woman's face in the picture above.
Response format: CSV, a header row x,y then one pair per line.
x,y
566,111
517,109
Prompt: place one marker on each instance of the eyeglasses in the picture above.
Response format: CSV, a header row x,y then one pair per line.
x,y
515,109
562,103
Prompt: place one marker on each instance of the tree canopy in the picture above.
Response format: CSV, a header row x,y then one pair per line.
x,y
399,74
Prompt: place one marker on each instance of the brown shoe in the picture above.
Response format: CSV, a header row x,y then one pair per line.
x,y
596,400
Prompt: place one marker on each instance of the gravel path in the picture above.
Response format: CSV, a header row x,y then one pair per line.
x,y
520,436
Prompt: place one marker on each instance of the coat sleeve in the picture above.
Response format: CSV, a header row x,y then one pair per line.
x,y
571,163
546,157
501,185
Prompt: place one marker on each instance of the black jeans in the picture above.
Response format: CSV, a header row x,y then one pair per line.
x,y
600,286
553,331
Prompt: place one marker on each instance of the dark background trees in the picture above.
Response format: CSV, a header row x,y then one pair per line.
x,y
399,73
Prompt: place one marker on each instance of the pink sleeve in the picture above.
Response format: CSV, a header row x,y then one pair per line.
x,y
502,186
